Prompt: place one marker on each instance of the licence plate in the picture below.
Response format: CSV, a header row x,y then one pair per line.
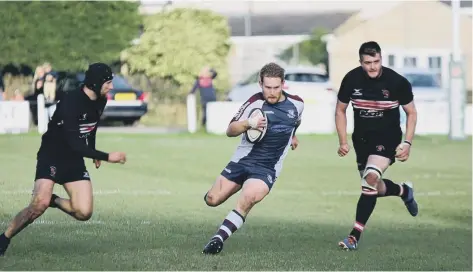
x,y
125,96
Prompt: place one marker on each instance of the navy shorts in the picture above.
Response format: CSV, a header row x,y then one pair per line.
x,y
375,143
61,172
239,173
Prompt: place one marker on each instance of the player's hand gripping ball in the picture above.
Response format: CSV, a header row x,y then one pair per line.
x,y
258,125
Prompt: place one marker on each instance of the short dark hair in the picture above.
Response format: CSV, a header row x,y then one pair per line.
x,y
271,70
370,48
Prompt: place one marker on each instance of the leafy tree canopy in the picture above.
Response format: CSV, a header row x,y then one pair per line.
x,y
68,34
177,44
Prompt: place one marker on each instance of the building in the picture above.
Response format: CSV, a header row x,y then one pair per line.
x,y
411,34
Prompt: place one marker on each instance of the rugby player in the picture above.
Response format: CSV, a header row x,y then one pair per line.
x,y
60,160
254,168
375,93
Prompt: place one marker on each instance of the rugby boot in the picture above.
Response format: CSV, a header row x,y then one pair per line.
x,y
214,246
409,200
348,243
4,242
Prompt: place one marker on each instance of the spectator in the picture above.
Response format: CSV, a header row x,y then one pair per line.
x,y
48,70
2,88
38,80
49,88
207,91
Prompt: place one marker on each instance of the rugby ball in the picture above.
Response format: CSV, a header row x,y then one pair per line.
x,y
254,135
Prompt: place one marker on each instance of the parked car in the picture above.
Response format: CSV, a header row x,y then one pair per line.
x,y
425,83
125,104
426,87
310,83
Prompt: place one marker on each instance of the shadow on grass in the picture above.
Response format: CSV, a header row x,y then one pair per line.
x,y
259,245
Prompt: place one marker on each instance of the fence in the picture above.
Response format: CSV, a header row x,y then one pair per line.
x,y
433,117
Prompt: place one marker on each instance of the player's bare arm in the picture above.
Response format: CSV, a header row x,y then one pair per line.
x,y
295,140
341,125
404,148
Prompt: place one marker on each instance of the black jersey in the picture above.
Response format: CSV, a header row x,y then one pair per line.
x,y
375,101
72,129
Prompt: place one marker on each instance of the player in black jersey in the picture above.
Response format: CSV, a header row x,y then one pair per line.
x,y
69,139
375,93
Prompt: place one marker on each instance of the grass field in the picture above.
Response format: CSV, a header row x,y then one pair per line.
x,y
150,213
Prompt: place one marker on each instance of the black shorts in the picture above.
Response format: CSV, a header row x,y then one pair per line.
x,y
61,172
239,173
375,143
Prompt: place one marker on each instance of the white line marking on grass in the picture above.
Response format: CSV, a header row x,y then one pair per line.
x,y
90,222
100,192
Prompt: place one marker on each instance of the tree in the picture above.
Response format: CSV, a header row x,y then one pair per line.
x,y
177,44
312,50
68,34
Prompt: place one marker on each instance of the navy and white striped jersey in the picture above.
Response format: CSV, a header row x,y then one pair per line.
x,y
282,118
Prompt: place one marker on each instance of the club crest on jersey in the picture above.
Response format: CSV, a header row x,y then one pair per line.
x,y
291,114
379,148
386,93
52,170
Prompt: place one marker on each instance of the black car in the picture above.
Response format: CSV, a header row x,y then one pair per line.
x,y
125,104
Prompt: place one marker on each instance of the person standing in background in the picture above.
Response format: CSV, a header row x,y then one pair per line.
x,y
2,87
207,91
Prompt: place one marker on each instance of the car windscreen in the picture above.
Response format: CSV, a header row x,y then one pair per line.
x,y
422,80
120,83
306,77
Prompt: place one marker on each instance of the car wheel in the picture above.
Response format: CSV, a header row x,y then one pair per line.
x,y
129,122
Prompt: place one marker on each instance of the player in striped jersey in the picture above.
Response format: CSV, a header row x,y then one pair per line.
x,y
376,92
254,167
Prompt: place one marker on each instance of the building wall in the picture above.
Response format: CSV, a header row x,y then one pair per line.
x,y
411,27
241,7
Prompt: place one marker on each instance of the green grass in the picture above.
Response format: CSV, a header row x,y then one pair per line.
x,y
150,213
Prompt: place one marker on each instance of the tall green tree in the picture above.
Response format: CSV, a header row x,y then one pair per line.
x,y
177,44
68,34
312,50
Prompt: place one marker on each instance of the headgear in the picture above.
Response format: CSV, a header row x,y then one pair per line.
x,y
97,75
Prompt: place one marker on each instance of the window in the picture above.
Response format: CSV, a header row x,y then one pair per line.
x,y
410,62
391,60
306,77
426,80
120,83
435,62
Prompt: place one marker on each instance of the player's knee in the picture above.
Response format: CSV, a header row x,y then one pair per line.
x,y
83,214
211,200
372,179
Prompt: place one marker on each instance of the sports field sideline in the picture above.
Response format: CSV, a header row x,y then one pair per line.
x,y
150,213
